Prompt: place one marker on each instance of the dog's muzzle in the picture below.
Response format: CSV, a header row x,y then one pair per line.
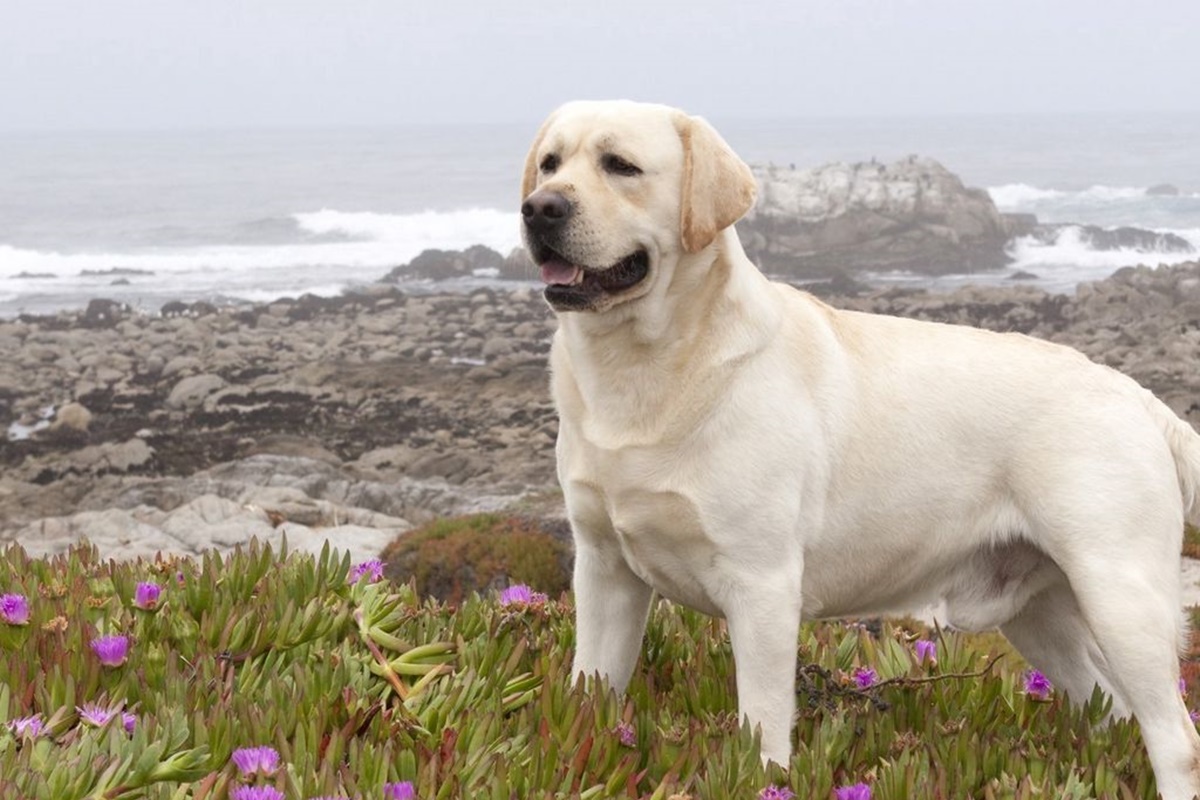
x,y
571,286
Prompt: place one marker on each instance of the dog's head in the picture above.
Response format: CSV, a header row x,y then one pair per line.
x,y
615,192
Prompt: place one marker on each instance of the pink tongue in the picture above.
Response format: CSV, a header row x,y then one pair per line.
x,y
559,272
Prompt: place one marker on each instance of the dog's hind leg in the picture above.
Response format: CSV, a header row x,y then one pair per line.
x,y
1131,606
1052,635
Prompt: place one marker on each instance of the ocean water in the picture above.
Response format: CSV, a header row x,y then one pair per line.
x,y
145,218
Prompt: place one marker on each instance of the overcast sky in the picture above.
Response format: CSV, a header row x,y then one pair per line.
x,y
97,64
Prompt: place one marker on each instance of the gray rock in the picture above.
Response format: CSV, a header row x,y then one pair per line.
x,y
361,542
191,392
98,459
913,214
445,264
72,417
210,521
114,531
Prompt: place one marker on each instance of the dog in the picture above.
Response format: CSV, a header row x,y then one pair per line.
x,y
740,447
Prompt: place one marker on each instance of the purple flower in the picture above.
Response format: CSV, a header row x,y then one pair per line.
x,y
401,790
27,726
146,595
865,677
859,791
926,650
256,793
774,792
372,568
256,760
521,595
112,650
129,721
1038,685
1182,686
626,735
14,609
1194,716
94,714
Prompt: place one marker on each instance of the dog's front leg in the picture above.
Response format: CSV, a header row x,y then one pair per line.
x,y
764,623
611,606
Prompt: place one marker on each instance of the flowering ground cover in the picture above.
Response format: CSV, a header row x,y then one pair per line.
x,y
265,675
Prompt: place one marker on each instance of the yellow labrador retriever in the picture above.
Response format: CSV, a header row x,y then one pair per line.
x,y
744,449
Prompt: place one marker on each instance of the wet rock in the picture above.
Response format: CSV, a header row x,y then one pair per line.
x,y
1122,238
103,314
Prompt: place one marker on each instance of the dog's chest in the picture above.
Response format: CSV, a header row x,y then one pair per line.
x,y
629,500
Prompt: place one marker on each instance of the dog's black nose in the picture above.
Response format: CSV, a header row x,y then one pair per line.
x,y
544,211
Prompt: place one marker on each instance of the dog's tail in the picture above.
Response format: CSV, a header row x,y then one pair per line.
x,y
1185,447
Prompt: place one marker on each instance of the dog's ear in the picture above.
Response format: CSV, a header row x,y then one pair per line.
x,y
718,187
529,178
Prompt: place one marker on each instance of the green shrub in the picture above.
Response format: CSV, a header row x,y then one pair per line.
x,y
451,558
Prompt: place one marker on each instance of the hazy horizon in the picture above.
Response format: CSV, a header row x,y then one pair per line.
x,y
128,65
523,126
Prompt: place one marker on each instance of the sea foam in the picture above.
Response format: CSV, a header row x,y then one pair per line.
x,y
331,250
1021,196
1069,249
373,241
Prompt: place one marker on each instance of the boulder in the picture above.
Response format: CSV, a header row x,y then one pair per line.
x,y
113,531
211,521
191,392
518,266
911,215
101,313
361,542
72,417
107,458
445,264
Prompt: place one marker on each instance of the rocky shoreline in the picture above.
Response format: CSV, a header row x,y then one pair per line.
x,y
355,417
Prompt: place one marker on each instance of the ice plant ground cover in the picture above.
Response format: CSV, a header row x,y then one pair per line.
x,y
359,688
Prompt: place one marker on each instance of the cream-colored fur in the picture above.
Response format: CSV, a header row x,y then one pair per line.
x,y
740,447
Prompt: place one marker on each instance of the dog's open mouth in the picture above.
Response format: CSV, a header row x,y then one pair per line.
x,y
570,286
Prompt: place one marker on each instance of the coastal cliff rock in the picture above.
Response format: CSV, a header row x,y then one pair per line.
x,y
913,215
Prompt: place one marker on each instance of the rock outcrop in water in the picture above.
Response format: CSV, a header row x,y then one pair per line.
x,y
911,215
1122,238
474,262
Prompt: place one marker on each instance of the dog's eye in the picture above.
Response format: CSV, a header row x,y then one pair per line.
x,y
619,166
549,163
